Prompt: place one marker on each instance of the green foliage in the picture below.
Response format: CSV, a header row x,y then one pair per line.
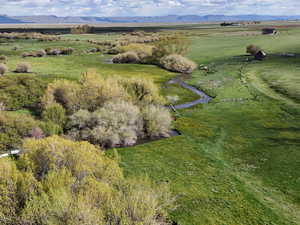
x,y
143,91
55,113
69,182
22,91
49,128
13,128
63,92
178,63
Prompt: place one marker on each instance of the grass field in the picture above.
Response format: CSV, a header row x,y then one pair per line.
x,y
237,161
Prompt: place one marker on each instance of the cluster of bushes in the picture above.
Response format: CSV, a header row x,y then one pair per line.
x,y
39,53
20,68
22,92
167,53
108,112
57,181
36,36
49,51
82,29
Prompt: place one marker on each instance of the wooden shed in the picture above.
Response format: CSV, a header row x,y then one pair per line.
x,y
260,55
269,31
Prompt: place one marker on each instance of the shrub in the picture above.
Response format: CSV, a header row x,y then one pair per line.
x,y
8,192
70,181
115,124
40,53
95,91
176,44
55,113
253,49
67,51
127,57
22,91
36,133
3,58
63,92
80,158
3,69
23,68
178,63
13,128
49,128
26,54
142,91
158,121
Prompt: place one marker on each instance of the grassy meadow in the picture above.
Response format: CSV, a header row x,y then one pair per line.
x,y
237,161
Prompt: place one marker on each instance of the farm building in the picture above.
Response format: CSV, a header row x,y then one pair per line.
x,y
266,31
260,55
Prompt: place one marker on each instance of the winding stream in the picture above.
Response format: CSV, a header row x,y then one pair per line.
x,y
205,99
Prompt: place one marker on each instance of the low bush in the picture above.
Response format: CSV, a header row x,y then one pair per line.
x,y
127,57
3,69
253,49
157,121
40,53
178,63
67,51
3,58
49,128
23,68
22,92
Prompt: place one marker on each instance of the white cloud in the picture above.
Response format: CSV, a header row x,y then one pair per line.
x,y
148,7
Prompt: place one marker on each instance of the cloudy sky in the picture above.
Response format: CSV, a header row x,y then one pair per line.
x,y
148,7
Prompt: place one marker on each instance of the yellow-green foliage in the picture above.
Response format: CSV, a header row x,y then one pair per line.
x,y
8,191
63,92
178,63
171,44
55,113
96,90
13,128
81,158
66,182
93,91
143,91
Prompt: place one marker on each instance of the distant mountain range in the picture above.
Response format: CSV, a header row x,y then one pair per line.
x,y
4,19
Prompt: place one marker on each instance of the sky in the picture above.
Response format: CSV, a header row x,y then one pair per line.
x,y
148,7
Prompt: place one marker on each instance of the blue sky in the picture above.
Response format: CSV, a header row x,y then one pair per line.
x,y
148,7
